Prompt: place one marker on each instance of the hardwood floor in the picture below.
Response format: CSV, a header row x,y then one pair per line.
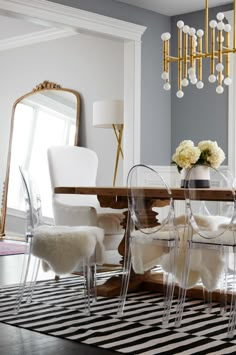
x,y
19,341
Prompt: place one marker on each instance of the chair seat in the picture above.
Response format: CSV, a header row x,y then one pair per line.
x,y
214,238
62,248
208,222
146,251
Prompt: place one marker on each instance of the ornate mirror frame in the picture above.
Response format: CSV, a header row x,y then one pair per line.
x,y
42,87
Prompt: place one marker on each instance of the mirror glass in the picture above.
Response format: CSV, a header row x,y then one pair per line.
x,y
49,115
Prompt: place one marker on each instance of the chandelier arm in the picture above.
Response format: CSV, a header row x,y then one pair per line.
x,y
179,56
191,51
212,56
220,55
185,55
165,56
226,54
206,26
199,47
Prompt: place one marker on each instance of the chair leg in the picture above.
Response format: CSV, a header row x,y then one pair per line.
x,y
126,268
24,275
124,283
169,285
34,280
207,298
89,272
183,288
224,288
93,283
232,313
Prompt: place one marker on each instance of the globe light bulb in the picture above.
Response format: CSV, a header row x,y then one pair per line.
x,y
227,81
200,33
193,80
192,76
200,84
180,24
186,29
180,94
213,24
165,36
219,89
227,27
185,82
192,31
212,78
191,71
167,86
220,16
219,67
220,26
165,75
222,76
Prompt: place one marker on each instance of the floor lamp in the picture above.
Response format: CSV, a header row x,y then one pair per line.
x,y
110,114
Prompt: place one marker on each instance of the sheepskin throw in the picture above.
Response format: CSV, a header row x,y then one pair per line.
x,y
206,265
62,249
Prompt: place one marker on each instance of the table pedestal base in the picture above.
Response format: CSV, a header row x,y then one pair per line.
x,y
152,283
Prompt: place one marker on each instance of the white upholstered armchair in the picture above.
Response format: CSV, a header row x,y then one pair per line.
x,y
77,166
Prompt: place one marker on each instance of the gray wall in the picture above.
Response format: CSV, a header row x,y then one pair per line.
x,y
155,103
200,114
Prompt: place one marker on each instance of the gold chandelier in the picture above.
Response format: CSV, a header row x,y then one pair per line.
x,y
191,53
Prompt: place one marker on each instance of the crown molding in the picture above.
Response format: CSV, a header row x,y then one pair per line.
x,y
43,11
35,37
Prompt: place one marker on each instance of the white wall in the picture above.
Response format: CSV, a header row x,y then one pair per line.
x,y
91,65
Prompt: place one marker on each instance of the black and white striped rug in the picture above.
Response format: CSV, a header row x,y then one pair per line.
x,y
57,308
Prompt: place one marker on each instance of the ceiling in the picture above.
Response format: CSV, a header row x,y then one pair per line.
x,y
11,27
15,28
174,7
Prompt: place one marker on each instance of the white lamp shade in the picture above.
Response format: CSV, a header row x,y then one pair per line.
x,y
108,113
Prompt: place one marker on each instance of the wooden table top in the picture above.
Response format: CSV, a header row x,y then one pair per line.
x,y
211,194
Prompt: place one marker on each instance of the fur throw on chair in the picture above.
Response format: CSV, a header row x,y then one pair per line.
x,y
62,249
206,265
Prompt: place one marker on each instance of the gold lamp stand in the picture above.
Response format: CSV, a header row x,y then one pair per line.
x,y
118,130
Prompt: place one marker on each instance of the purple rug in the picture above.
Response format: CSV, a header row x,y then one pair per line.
x,y
7,248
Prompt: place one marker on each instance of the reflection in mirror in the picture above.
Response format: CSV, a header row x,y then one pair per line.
x,y
49,115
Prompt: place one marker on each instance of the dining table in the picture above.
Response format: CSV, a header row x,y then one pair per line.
x,y
116,198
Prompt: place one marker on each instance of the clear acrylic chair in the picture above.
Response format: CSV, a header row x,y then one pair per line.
x,y
151,236
59,248
210,245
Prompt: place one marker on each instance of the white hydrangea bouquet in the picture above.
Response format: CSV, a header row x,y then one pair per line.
x,y
206,153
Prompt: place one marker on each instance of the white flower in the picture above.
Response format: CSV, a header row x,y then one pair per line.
x,y
207,152
186,154
211,153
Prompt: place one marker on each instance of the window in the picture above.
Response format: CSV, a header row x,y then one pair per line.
x,y
37,127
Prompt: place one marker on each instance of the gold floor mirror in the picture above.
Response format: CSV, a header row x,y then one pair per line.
x,y
46,116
